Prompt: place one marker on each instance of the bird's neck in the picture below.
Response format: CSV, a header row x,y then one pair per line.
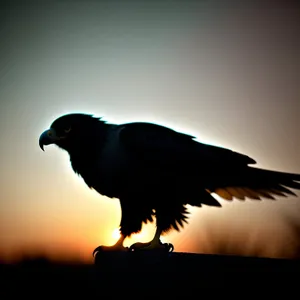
x,y
87,147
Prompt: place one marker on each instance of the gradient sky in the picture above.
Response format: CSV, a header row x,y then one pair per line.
x,y
225,71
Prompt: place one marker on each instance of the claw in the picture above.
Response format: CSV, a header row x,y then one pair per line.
x,y
169,247
98,249
109,249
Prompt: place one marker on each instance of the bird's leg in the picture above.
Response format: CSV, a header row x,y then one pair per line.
x,y
155,244
118,246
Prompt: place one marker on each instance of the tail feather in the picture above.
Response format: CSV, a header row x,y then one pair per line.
x,y
283,189
255,183
203,197
265,194
292,184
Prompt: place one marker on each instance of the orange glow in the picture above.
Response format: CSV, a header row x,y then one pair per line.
x,y
230,84
116,234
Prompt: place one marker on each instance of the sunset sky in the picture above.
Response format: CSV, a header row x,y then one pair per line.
x,y
224,71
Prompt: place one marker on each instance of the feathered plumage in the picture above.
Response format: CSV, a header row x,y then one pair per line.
x,y
156,171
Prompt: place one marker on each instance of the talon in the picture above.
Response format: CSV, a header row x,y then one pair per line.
x,y
98,249
169,247
109,249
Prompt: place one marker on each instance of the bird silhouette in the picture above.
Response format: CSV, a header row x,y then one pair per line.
x,y
155,172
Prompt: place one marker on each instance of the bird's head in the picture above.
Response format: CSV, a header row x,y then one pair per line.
x,y
69,129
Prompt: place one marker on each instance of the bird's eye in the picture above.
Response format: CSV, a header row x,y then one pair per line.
x,y
68,130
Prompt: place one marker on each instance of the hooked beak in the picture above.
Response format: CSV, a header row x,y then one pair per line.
x,y
48,137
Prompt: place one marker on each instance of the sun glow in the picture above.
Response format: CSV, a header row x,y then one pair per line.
x,y
116,234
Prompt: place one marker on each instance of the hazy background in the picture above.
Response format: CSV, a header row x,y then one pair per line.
x,y
225,71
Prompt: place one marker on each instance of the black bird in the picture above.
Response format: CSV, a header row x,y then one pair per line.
x,y
155,172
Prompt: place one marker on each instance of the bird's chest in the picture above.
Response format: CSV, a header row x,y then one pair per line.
x,y
104,171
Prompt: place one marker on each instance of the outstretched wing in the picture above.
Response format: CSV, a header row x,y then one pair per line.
x,y
211,168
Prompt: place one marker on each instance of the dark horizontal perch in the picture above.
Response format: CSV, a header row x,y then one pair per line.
x,y
169,273
145,261
188,266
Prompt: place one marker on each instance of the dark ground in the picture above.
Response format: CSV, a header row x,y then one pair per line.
x,y
143,274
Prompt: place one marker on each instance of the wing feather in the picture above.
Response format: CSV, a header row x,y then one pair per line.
x,y
218,170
